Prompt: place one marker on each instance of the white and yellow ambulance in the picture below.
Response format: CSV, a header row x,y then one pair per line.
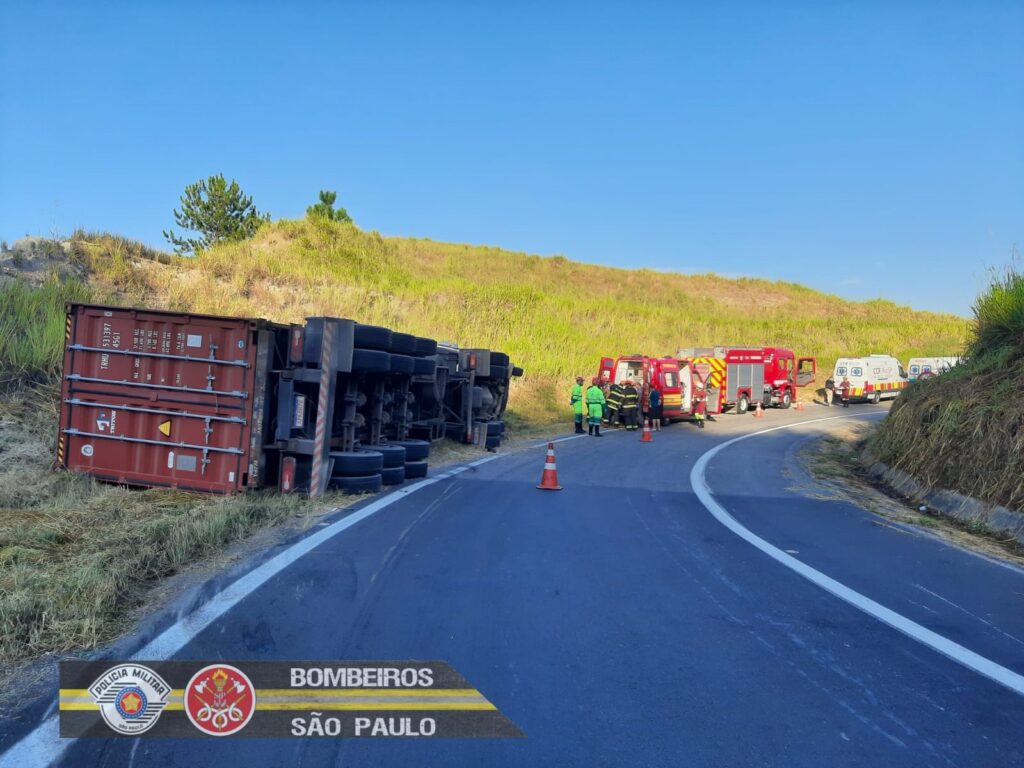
x,y
872,378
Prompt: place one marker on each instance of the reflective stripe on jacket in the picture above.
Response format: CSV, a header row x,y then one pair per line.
x,y
630,398
615,394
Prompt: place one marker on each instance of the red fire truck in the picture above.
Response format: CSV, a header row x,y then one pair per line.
x,y
671,377
740,376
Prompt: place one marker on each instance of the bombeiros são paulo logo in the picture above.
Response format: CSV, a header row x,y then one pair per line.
x,y
220,700
131,698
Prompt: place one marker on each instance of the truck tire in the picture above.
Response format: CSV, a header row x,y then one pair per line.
x,y
372,337
370,361
499,372
517,371
492,442
415,469
876,397
394,455
393,475
403,343
743,404
415,450
424,366
499,358
402,364
787,399
424,347
358,484
356,463
495,428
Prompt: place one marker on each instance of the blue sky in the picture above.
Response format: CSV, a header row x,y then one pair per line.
x,y
866,149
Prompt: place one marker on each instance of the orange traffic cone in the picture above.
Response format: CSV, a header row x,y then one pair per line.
x,y
758,411
549,479
646,438
799,405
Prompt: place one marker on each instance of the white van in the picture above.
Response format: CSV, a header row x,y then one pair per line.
x,y
871,378
926,367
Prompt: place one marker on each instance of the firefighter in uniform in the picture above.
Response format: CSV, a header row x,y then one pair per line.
x,y
631,405
576,401
700,407
844,388
615,395
595,406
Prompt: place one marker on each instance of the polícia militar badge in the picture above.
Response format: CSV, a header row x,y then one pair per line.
x,y
131,698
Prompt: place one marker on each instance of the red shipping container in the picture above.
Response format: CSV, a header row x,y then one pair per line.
x,y
164,399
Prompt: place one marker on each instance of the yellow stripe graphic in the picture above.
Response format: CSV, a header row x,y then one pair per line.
x,y
79,699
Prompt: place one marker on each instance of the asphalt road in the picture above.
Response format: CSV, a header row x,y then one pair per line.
x,y
618,622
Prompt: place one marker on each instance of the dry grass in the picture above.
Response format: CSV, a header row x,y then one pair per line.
x,y
77,555
964,431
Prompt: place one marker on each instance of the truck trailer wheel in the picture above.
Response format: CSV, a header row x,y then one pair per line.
x,y
394,455
492,442
402,364
517,371
499,358
424,347
370,361
495,428
356,463
415,469
372,337
424,366
358,484
743,404
393,475
415,450
403,343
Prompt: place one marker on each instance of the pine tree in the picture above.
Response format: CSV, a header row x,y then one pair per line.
x,y
218,211
325,208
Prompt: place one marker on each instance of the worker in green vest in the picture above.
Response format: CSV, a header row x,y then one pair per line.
x,y
595,407
576,401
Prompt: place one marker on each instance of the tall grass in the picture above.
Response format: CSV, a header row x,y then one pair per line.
x,y
76,555
555,317
965,429
999,314
32,328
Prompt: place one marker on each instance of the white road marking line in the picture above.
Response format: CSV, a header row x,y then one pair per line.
x,y
43,746
559,440
925,636
972,615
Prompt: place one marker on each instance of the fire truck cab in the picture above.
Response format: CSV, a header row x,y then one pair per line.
x,y
738,377
671,377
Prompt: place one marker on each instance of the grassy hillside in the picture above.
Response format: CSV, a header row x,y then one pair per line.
x,y
964,430
76,555
554,316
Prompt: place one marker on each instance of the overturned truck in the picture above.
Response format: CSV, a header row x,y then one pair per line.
x,y
223,404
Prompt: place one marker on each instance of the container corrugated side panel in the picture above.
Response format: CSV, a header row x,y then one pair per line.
x,y
158,398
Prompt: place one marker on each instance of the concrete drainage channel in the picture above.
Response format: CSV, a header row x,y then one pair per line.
x,y
224,404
